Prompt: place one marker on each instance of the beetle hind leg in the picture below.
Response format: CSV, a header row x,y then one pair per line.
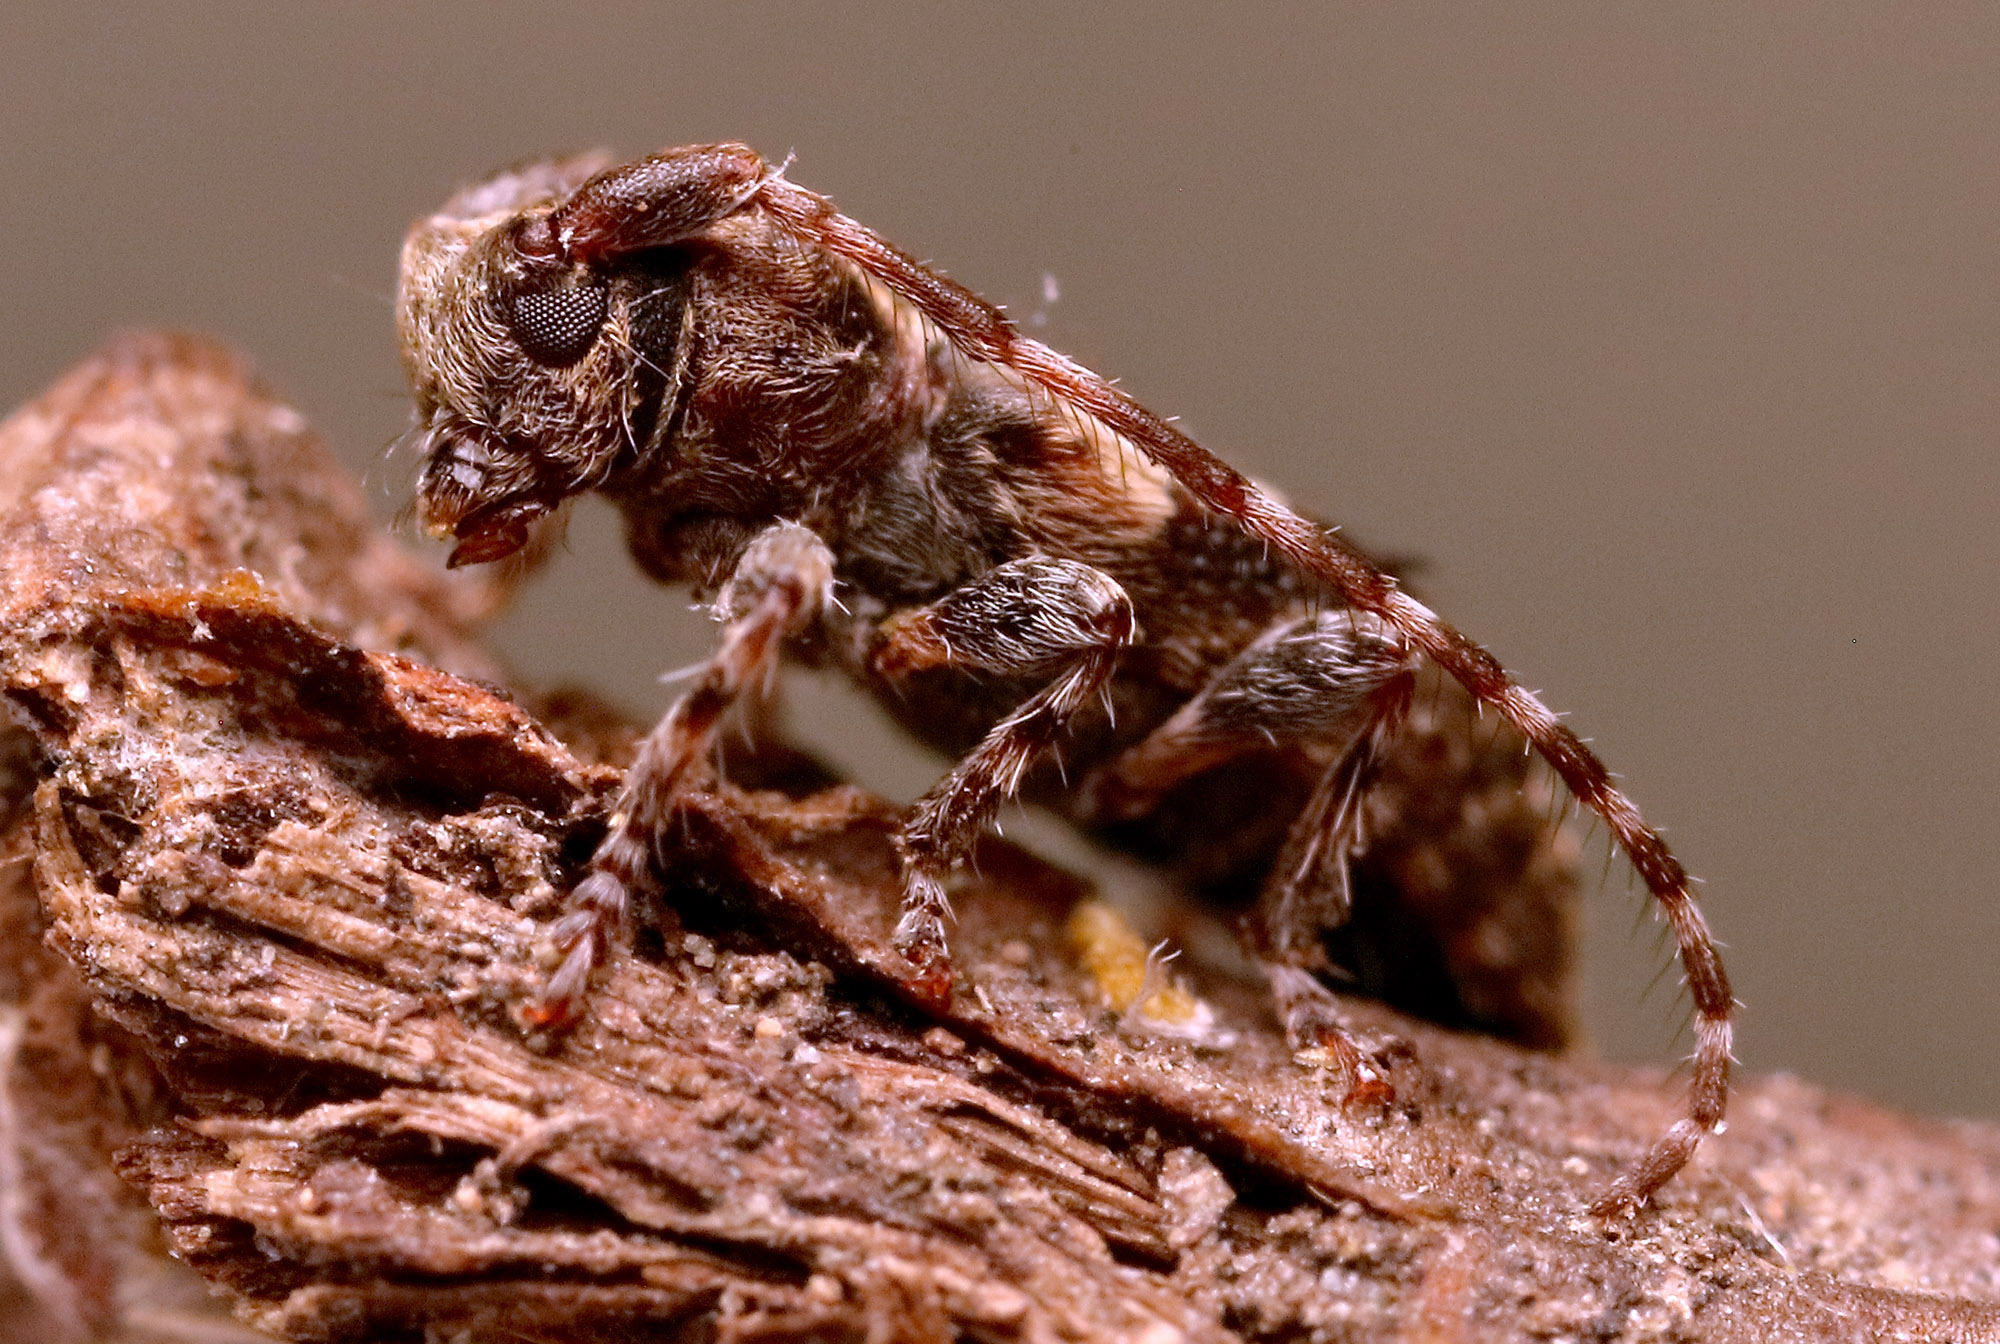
x,y
1309,890
1339,678
1319,1033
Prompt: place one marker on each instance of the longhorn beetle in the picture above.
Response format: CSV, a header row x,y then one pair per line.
x,y
867,465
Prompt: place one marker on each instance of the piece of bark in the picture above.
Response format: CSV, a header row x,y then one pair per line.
x,y
301,876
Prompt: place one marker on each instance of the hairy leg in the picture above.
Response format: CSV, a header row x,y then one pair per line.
x,y
1338,678
1026,618
780,585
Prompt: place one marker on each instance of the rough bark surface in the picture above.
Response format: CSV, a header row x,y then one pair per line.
x,y
271,906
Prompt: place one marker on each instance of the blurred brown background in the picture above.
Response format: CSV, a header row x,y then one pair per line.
x,y
1668,338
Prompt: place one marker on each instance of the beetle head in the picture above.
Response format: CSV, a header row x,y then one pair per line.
x,y
535,374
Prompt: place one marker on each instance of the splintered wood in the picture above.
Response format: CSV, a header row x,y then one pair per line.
x,y
293,867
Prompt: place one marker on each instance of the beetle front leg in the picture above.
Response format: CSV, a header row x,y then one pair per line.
x,y
1024,618
780,585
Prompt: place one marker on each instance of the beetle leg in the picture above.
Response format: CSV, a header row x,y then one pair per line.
x,y
1022,619
1340,678
780,585
1309,891
1308,888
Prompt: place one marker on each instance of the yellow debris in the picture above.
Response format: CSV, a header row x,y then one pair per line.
x,y
1118,960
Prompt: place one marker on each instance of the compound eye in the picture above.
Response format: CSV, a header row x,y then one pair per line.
x,y
558,326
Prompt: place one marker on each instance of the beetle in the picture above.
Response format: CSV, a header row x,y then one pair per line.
x,y
866,465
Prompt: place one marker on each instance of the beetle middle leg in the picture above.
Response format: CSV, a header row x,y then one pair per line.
x,y
1340,680
780,585
1026,618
